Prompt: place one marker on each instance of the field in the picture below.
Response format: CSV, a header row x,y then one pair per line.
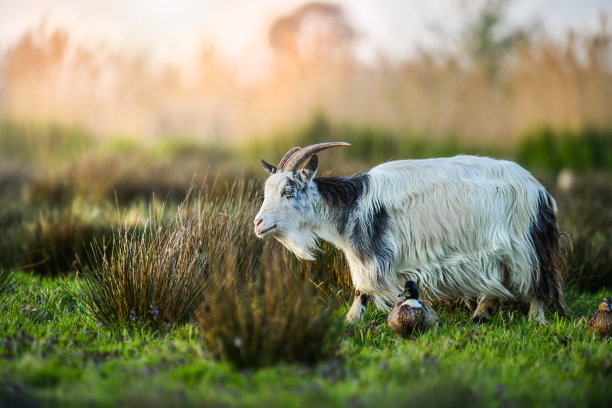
x,y
54,354
131,276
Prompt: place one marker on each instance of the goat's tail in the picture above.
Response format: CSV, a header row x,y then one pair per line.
x,y
548,279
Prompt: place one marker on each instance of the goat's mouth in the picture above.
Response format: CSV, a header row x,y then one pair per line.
x,y
262,233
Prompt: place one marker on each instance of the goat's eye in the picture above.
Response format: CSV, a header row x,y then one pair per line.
x,y
288,192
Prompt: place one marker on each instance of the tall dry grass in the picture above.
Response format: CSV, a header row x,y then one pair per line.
x,y
52,75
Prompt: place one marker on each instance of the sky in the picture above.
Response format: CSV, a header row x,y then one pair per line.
x,y
173,30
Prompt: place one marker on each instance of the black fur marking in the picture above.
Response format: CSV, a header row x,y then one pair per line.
x,y
545,237
293,184
364,299
368,238
342,194
297,186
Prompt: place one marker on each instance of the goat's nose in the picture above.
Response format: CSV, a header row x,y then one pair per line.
x,y
258,221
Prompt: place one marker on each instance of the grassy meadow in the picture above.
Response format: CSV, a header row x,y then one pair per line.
x,y
129,271
131,276
53,353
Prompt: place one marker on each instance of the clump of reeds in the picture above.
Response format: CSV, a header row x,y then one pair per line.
x,y
146,274
266,312
154,272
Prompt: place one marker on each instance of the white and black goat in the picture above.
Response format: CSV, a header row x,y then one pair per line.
x,y
462,227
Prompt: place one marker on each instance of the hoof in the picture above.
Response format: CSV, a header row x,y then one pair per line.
x,y
480,320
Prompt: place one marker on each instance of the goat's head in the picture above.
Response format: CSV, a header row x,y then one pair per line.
x,y
287,212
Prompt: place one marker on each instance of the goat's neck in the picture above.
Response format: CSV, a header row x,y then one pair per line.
x,y
326,227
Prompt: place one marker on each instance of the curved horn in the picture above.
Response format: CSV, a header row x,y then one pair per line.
x,y
294,162
286,157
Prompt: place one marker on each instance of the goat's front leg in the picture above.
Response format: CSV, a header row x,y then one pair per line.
x,y
536,311
358,307
485,309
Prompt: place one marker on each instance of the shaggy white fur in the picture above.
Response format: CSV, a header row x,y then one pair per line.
x,y
460,227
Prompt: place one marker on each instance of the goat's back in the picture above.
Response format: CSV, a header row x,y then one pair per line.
x,y
460,225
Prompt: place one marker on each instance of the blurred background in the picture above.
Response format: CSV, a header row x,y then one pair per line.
x,y
485,74
114,104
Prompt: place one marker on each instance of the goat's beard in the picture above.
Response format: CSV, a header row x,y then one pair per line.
x,y
303,244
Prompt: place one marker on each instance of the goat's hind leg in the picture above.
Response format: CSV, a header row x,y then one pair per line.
x,y
485,309
358,307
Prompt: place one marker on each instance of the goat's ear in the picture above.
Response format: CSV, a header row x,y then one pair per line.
x,y
271,169
310,169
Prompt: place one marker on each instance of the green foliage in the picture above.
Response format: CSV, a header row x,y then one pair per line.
x,y
5,279
488,38
543,149
5,273
41,142
369,146
549,150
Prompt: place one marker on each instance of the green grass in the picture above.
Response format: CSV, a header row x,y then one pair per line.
x,y
53,353
55,203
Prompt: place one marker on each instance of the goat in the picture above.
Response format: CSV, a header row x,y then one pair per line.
x,y
461,227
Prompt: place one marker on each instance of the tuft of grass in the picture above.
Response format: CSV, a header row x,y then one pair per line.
x,y
155,273
52,242
265,313
147,275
